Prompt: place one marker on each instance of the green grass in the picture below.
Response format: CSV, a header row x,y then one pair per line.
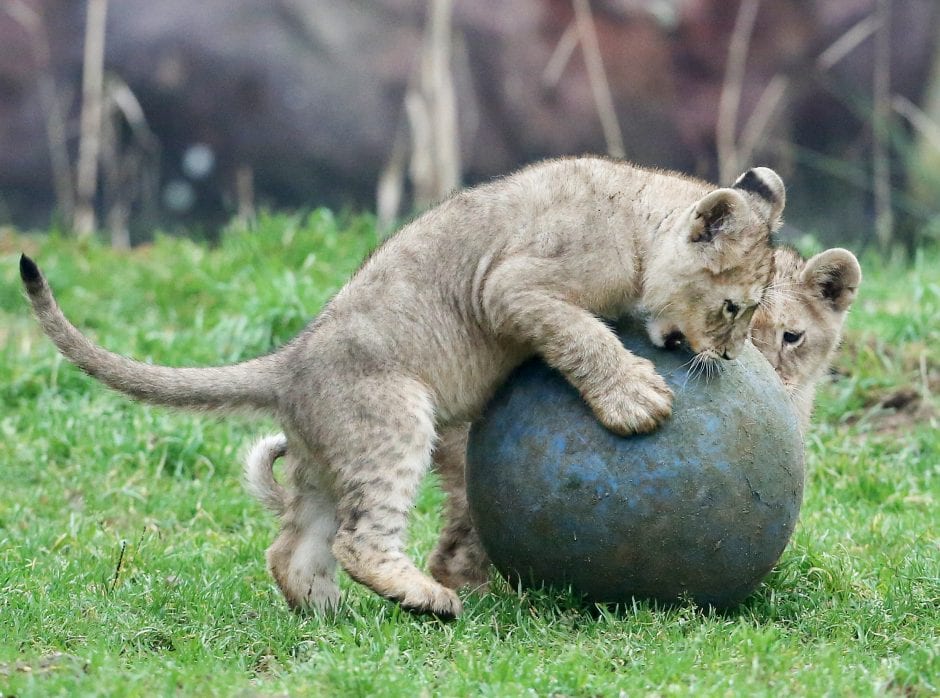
x,y
90,479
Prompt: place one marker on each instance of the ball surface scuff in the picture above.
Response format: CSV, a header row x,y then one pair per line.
x,y
702,508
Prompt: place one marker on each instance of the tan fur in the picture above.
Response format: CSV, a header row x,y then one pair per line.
x,y
435,319
259,472
808,300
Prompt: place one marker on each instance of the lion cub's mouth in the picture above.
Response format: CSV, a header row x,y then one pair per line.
x,y
674,340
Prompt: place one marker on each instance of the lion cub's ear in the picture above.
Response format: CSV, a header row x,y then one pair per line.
x,y
714,215
834,275
768,193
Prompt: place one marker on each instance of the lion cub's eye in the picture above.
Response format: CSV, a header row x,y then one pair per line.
x,y
731,308
792,338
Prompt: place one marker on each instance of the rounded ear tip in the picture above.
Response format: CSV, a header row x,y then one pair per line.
x,y
837,274
841,252
844,258
725,195
766,184
768,174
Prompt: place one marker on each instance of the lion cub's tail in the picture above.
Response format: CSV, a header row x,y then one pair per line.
x,y
259,472
249,384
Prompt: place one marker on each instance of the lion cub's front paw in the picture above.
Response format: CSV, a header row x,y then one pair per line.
x,y
638,403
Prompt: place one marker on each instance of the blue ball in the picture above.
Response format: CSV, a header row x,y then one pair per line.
x,y
700,509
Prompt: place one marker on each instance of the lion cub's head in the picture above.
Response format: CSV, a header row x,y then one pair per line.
x,y
705,280
799,326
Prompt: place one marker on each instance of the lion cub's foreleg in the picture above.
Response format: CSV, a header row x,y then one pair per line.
x,y
458,559
624,390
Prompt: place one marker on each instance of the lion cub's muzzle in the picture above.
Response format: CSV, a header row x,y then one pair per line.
x,y
674,340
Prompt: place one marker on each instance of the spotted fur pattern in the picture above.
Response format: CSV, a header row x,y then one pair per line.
x,y
417,341
797,327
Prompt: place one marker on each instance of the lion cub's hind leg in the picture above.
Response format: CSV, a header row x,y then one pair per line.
x,y
458,559
381,448
301,559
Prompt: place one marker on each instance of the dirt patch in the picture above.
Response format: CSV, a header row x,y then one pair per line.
x,y
901,399
897,410
47,664
912,400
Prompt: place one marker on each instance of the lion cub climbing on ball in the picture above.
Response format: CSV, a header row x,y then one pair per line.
x,y
797,328
420,337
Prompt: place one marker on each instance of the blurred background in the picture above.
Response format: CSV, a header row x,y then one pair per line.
x,y
132,116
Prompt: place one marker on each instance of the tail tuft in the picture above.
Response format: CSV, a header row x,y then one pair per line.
x,y
29,272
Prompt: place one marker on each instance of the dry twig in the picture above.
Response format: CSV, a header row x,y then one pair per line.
x,y
922,123
89,146
391,185
245,193
758,123
881,117
597,77
426,143
730,102
560,57
117,567
848,42
127,168
432,112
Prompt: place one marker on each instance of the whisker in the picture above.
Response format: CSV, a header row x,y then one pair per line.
x,y
782,283
689,362
662,310
797,391
696,369
688,374
758,343
777,297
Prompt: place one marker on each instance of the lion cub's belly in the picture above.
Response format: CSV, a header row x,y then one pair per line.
x,y
467,378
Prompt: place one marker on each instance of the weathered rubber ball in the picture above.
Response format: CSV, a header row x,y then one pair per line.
x,y
700,509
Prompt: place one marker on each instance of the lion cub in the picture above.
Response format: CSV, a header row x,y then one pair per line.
x,y
798,327
417,341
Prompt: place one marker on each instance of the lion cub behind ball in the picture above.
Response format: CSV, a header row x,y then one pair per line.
x,y
436,318
797,328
